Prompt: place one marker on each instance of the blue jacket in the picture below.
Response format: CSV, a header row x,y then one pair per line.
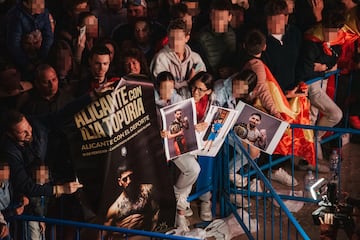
x,y
20,22
24,159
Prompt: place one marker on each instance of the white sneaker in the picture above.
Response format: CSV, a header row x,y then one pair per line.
x,y
255,186
238,180
205,211
283,177
188,212
239,200
182,203
181,222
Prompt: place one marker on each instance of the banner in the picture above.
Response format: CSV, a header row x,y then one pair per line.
x,y
120,160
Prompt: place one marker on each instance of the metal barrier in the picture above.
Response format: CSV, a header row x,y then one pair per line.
x,y
259,209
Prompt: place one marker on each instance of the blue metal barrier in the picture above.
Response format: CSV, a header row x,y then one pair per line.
x,y
271,215
126,233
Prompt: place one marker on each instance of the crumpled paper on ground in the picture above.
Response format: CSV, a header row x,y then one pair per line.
x,y
227,228
193,233
292,205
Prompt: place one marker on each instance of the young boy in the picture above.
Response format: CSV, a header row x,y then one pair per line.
x,y
178,58
218,40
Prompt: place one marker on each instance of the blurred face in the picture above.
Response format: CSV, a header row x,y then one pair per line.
x,y
240,88
22,132
237,18
81,7
330,34
111,49
166,89
187,18
220,20
42,175
4,172
193,8
114,4
142,32
35,6
125,179
290,5
254,120
92,27
132,65
199,90
276,24
63,63
47,83
241,3
99,65
177,40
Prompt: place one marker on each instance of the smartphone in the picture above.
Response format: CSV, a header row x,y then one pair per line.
x,y
82,31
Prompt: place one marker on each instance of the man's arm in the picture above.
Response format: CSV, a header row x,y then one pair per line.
x,y
4,230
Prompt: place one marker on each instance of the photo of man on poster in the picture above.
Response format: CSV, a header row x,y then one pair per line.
x,y
135,207
251,132
177,128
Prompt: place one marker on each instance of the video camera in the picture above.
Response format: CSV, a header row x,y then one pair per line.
x,y
330,203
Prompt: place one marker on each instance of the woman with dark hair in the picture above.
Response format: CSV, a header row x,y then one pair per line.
x,y
202,90
133,61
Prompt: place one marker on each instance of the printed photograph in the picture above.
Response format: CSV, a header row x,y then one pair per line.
x,y
179,122
258,128
220,121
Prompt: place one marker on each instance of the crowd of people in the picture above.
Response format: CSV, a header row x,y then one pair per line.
x,y
219,52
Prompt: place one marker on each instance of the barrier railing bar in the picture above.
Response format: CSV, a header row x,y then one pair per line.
x,y
97,227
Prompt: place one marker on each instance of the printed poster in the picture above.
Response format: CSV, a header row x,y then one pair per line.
x,y
179,122
120,160
258,128
220,121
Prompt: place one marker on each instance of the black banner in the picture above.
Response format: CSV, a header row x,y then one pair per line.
x,y
121,160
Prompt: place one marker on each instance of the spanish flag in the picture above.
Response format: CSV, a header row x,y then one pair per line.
x,y
295,111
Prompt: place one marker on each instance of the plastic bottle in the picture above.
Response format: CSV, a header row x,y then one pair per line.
x,y
334,164
309,180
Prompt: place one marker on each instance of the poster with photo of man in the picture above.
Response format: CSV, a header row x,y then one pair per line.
x,y
179,122
119,158
258,128
220,121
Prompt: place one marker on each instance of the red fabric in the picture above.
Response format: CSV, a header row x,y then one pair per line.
x,y
201,107
326,45
355,121
303,139
346,60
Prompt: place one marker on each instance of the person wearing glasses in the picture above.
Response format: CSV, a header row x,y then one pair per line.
x,y
135,207
202,90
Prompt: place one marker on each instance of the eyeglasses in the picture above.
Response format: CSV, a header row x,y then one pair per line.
x,y
194,88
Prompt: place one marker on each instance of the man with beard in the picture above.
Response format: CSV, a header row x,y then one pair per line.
x,y
134,208
252,133
177,132
256,136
